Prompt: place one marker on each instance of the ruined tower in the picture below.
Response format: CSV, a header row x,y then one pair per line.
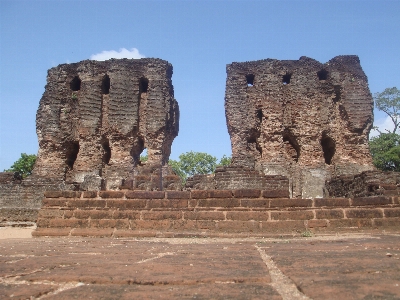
x,y
300,118
95,119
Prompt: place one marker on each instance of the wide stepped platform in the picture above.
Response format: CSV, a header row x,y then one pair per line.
x,y
209,213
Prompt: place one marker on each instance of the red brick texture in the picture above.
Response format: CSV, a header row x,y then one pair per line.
x,y
207,213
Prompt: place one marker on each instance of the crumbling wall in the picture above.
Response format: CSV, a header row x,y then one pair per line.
x,y
365,184
20,200
239,177
93,122
300,118
95,119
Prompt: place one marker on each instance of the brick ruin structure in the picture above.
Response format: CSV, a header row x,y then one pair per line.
x,y
300,119
300,157
301,162
93,122
96,118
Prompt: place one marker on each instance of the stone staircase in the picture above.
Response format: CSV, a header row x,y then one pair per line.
x,y
210,213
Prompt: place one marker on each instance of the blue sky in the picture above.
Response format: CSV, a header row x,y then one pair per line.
x,y
199,38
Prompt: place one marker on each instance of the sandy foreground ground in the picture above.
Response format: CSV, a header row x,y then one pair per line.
x,y
345,266
10,232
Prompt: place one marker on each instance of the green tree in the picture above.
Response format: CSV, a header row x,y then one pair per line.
x,y
176,167
389,102
24,165
385,148
225,161
191,163
385,151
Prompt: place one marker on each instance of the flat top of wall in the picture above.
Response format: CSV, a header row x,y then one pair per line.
x,y
340,58
115,61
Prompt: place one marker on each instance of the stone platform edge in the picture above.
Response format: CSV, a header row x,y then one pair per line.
x,y
209,213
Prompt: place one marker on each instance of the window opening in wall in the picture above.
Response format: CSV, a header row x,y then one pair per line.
x,y
71,154
328,147
259,115
75,84
322,75
143,156
286,78
105,85
106,151
137,150
250,79
291,146
336,88
143,85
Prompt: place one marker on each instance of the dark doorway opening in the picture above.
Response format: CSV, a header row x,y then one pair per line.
x,y
259,115
322,75
286,78
75,84
338,93
329,148
250,80
105,85
106,151
143,85
71,154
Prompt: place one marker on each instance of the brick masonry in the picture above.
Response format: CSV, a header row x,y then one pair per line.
x,y
208,213
368,183
293,125
93,122
239,177
302,119
20,201
96,117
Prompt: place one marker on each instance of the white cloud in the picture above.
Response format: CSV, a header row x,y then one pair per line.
x,y
122,53
382,124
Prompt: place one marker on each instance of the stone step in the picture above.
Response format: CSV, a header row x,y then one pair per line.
x,y
208,213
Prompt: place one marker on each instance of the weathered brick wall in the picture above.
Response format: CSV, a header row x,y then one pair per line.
x,y
147,178
239,177
93,122
201,182
96,118
10,177
369,183
300,118
21,200
245,178
208,213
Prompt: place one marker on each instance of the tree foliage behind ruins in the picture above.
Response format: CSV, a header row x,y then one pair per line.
x,y
192,163
24,165
385,148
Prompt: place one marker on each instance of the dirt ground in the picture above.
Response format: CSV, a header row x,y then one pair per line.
x,y
15,231
347,266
